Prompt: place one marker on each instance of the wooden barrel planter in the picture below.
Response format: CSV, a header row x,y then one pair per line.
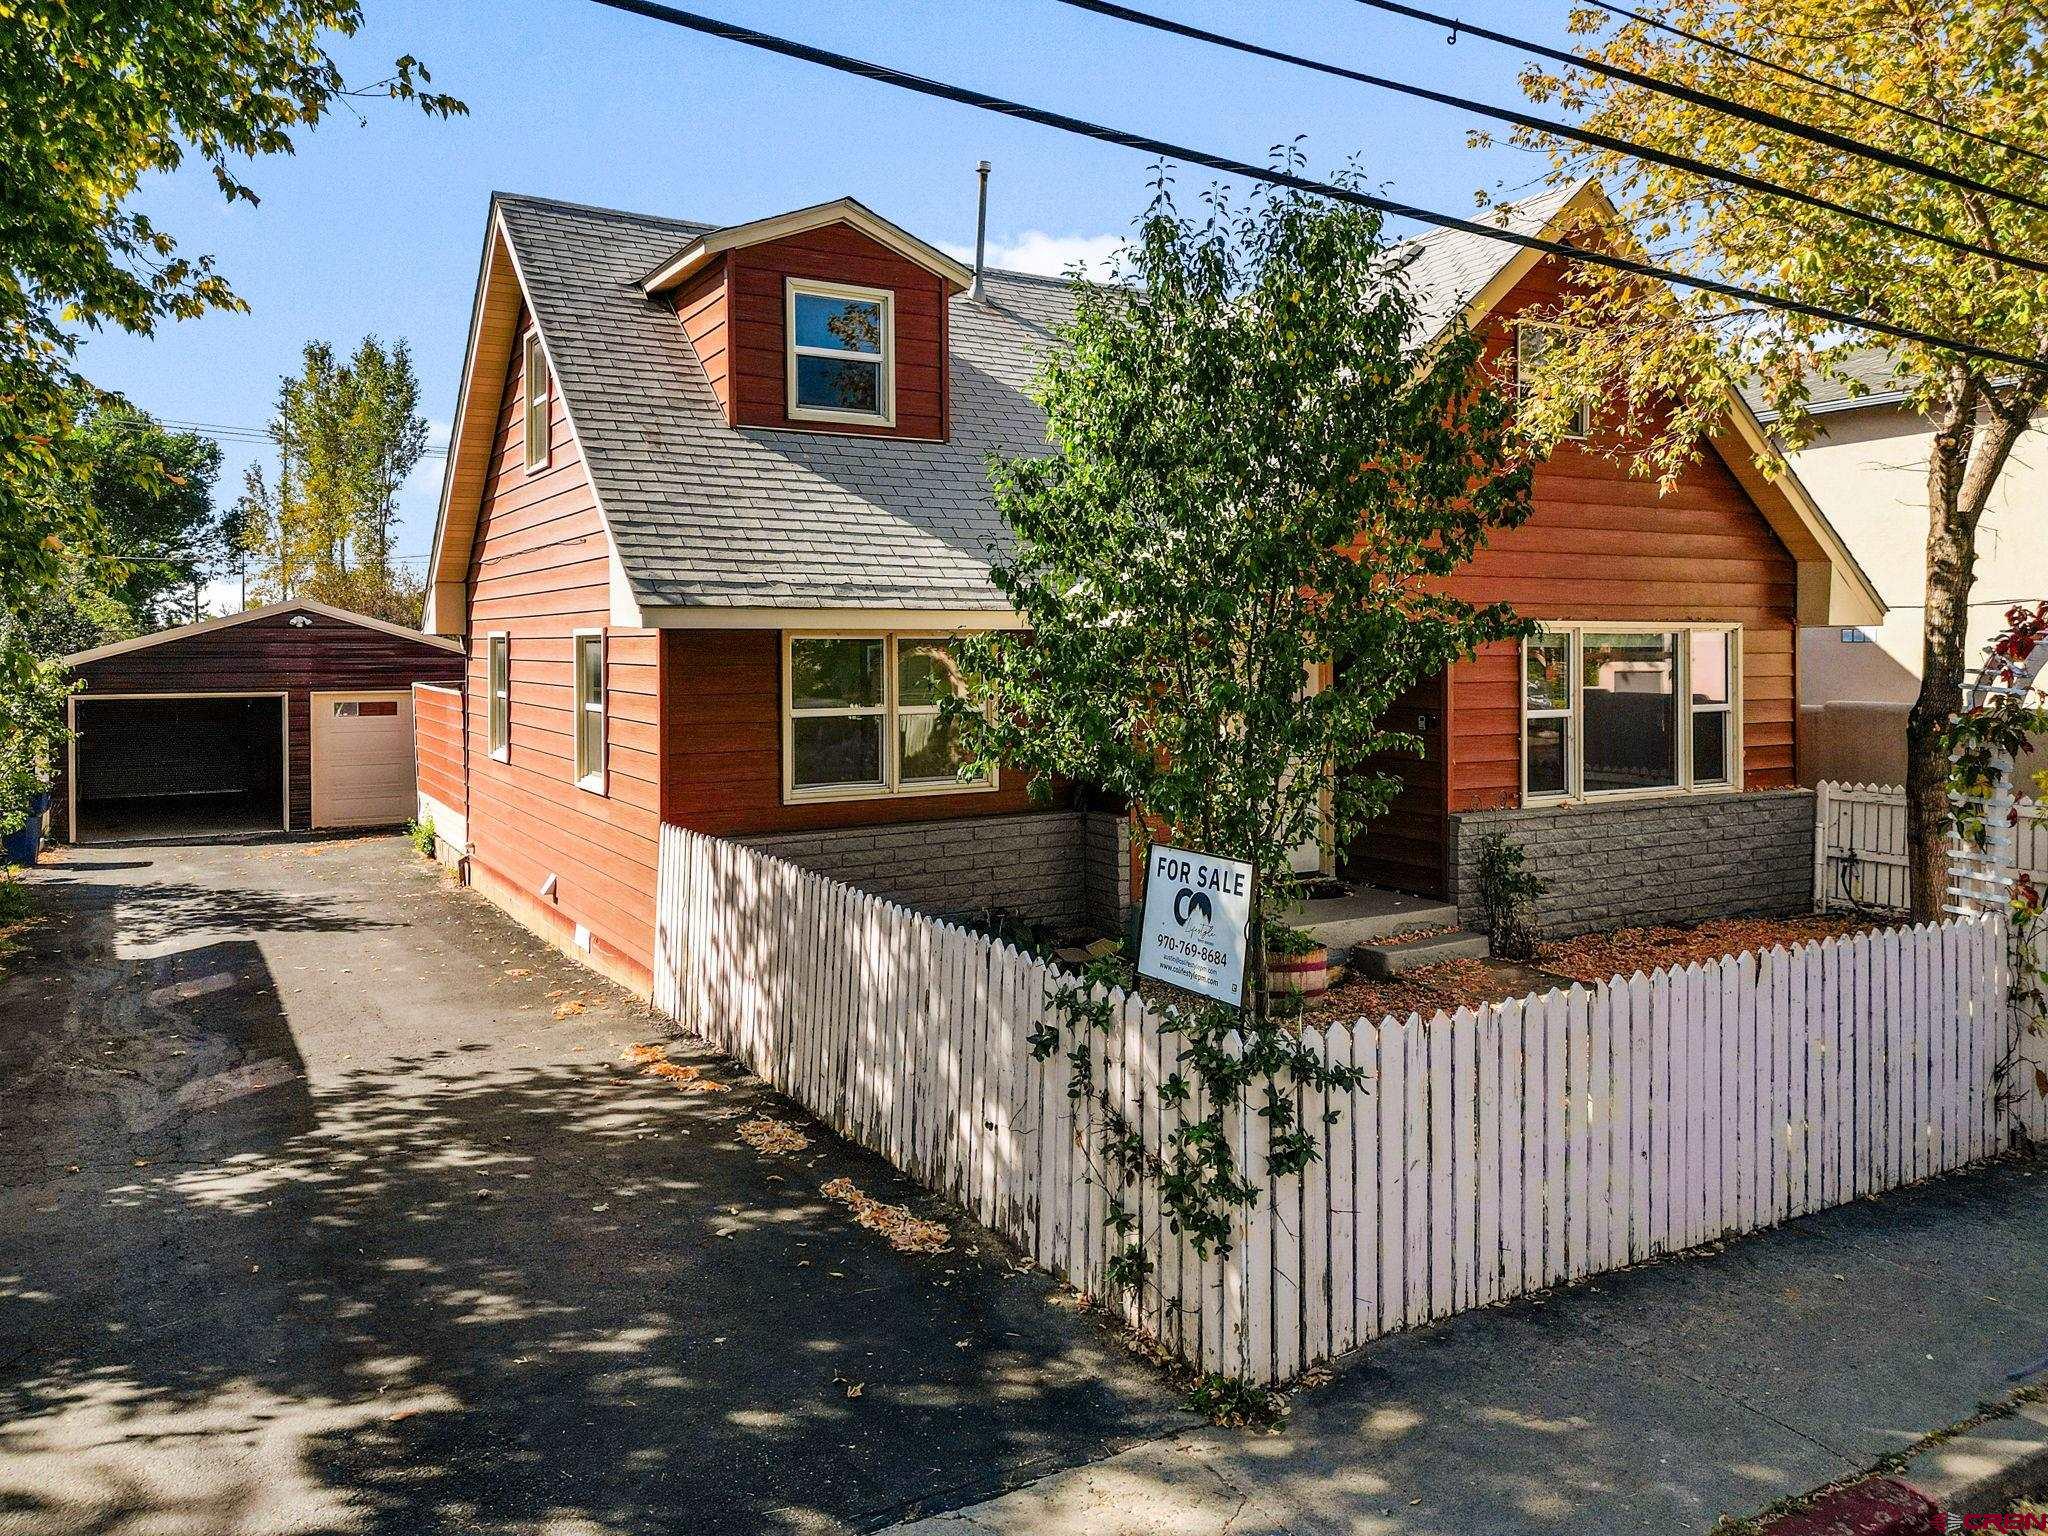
x,y
1307,973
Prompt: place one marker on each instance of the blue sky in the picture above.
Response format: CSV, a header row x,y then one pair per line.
x,y
377,228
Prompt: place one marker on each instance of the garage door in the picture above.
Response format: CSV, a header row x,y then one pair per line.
x,y
362,759
175,765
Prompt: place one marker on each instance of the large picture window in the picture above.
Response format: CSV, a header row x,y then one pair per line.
x,y
1629,709
862,717
841,353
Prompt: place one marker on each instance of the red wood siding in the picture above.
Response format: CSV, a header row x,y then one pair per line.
x,y
722,748
269,655
1602,544
437,728
701,306
837,254
540,570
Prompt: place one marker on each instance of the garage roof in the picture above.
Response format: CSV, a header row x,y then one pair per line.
x,y
268,610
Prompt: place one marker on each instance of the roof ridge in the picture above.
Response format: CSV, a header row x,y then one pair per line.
x,y
539,200
535,199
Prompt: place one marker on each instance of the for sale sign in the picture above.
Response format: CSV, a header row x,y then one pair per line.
x,y
1197,910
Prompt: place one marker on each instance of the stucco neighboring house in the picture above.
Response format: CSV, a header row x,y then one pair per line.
x,y
1867,467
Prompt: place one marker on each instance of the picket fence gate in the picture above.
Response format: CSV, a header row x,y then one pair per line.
x,y
1860,846
1488,1153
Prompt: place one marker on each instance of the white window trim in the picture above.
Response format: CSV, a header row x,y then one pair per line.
x,y
892,786
500,751
791,288
536,351
1584,419
1575,760
595,779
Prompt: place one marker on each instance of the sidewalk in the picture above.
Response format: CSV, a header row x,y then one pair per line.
x,y
1658,1399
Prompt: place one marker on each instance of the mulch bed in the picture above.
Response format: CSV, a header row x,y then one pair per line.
x,y
1588,958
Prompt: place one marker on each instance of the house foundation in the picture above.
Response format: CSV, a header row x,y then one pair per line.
x,y
1635,862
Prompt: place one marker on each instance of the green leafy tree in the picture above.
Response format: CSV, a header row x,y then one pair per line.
x,y
347,434
150,493
1260,475
1663,360
1258,478
98,97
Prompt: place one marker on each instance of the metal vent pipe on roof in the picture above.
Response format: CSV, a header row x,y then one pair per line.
x,y
980,228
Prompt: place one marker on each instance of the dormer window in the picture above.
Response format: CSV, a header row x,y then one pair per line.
x,y
842,353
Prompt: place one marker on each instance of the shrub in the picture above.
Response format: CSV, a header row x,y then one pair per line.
x,y
1283,941
1507,896
422,835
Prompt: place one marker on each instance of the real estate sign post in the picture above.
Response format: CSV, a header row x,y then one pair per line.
x,y
1197,915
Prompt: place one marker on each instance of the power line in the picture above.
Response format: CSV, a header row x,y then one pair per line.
x,y
1757,115
223,432
1817,82
1273,176
1553,126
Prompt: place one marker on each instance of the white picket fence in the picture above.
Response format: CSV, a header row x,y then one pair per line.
x,y
1487,1154
1860,846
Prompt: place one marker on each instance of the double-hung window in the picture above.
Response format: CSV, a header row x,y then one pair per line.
x,y
841,353
538,399
1532,342
589,662
864,716
1613,709
498,691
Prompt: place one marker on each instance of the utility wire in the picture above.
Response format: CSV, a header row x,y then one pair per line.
x,y
223,432
1555,126
1816,81
1273,176
1757,115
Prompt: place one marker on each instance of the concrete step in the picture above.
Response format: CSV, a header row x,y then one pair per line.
x,y
1341,922
1388,958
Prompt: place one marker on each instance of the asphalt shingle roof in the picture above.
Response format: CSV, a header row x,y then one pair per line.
x,y
704,514
1447,267
708,515
1874,370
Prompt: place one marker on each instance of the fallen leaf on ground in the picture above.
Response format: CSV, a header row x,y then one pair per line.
x,y
906,1233
517,972
689,1079
773,1136
643,1054
570,1008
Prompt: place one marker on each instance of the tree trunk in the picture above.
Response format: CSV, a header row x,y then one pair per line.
x,y
1959,485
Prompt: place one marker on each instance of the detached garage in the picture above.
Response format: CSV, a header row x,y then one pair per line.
x,y
286,718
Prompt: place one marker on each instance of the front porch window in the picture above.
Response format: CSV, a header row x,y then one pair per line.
x,y
862,717
1611,710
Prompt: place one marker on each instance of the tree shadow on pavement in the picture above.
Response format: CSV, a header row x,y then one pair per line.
x,y
438,1295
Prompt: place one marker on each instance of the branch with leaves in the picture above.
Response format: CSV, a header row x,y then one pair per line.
x,y
99,97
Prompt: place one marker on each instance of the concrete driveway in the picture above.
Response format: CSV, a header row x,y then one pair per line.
x,y
328,1204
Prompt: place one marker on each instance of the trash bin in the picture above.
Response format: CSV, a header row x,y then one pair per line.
x,y
23,846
